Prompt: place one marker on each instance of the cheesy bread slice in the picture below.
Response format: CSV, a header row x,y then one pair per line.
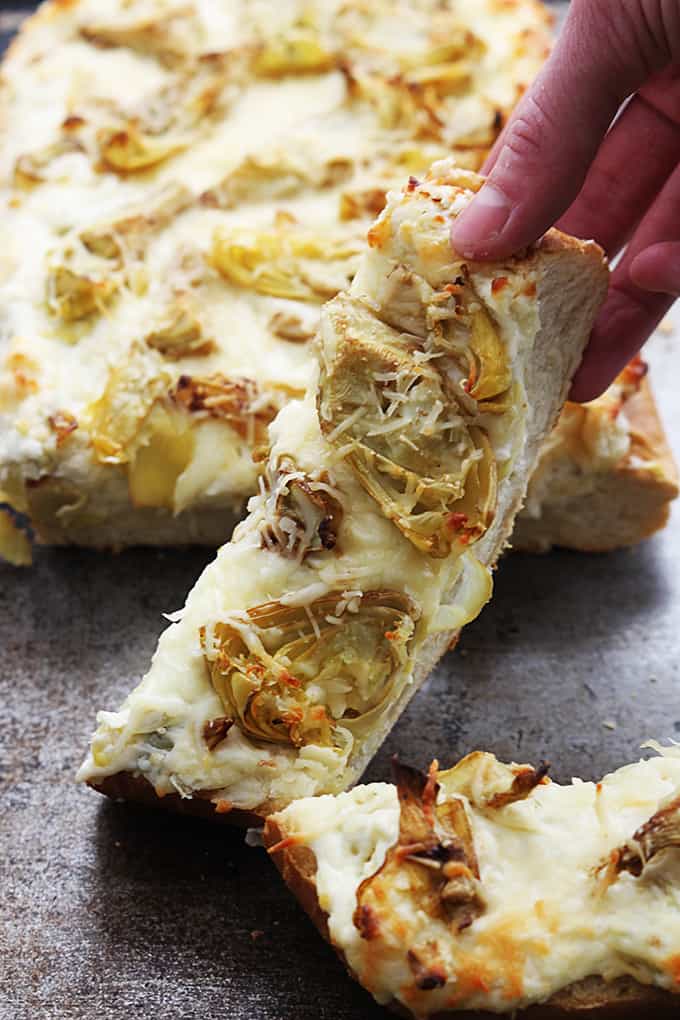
x,y
486,889
389,493
182,186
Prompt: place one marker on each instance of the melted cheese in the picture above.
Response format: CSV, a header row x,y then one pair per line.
x,y
550,919
83,60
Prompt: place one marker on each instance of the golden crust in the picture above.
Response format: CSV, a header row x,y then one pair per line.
x,y
644,418
125,786
623,999
297,865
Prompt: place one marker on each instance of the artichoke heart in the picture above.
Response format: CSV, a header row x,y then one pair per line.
x,y
489,375
654,850
89,268
275,174
433,861
165,122
31,168
180,333
126,149
116,418
301,514
77,293
400,428
287,261
169,36
163,450
240,402
299,50
490,784
314,674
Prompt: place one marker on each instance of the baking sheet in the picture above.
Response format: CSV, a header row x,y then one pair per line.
x,y
112,912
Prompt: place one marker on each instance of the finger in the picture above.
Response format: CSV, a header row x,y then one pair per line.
x,y
630,315
558,126
632,311
657,268
636,157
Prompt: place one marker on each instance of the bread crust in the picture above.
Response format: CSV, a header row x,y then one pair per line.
x,y
642,486
127,786
622,999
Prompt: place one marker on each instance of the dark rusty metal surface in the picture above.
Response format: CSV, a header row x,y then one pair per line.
x,y
111,912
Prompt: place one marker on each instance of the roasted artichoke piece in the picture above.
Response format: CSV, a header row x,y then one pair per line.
x,y
163,449
180,333
298,50
115,419
290,325
300,514
248,409
76,293
269,668
30,169
127,234
455,326
90,268
488,374
399,426
266,177
129,150
365,194
172,36
287,261
488,783
427,113
165,122
655,847
434,859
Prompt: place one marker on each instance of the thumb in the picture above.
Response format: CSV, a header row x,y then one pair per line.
x,y
552,138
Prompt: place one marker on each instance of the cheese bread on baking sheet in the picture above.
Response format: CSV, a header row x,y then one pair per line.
x,y
606,475
389,493
485,887
183,183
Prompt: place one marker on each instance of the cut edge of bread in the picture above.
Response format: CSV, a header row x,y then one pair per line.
x,y
622,999
550,368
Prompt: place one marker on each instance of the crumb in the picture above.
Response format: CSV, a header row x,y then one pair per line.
x,y
609,724
666,327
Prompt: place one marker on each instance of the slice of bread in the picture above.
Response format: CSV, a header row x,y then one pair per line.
x,y
606,475
486,889
389,494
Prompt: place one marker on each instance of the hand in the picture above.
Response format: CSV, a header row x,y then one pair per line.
x,y
561,159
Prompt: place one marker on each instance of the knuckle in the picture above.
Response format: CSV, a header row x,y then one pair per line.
x,y
533,145
626,299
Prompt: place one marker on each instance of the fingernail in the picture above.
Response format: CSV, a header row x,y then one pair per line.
x,y
481,223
